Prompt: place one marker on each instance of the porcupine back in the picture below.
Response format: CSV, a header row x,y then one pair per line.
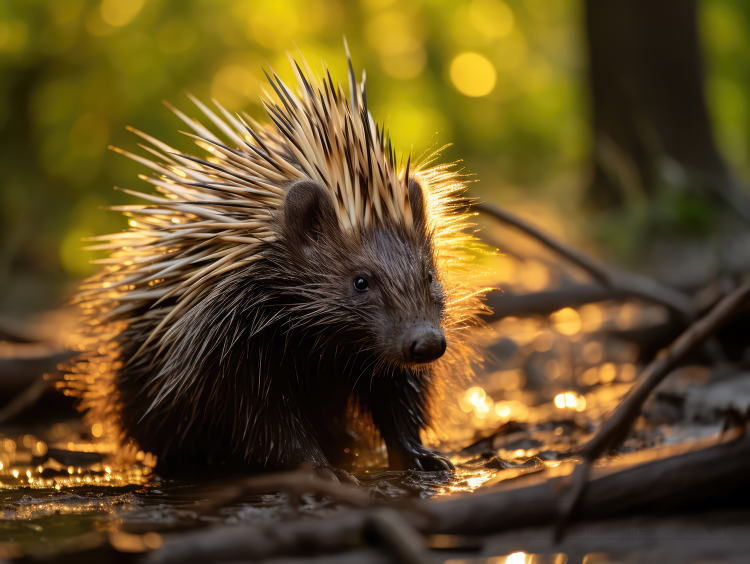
x,y
213,217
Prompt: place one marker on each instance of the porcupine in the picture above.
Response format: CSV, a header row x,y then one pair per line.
x,y
292,272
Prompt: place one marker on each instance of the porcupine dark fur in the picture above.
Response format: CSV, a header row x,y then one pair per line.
x,y
244,350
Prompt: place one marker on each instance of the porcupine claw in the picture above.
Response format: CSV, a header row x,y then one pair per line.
x,y
434,462
419,458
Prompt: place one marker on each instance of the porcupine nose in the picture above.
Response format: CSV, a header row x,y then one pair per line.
x,y
426,345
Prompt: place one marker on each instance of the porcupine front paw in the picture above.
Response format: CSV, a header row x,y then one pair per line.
x,y
419,459
433,462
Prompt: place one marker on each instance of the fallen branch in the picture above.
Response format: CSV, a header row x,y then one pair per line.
x,y
545,303
301,537
714,536
672,482
633,284
616,427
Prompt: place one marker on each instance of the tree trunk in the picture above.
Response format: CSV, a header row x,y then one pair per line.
x,y
650,120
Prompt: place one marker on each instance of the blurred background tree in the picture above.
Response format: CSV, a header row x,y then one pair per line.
x,y
654,156
649,106
503,80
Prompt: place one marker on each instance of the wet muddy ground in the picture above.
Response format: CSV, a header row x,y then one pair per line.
x,y
548,384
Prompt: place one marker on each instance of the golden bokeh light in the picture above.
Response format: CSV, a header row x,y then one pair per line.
x,y
591,318
589,377
39,448
472,398
484,408
502,410
118,13
607,373
570,400
473,74
516,558
566,321
491,18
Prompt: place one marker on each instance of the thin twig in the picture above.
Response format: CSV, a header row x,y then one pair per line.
x,y
401,537
294,483
22,363
544,303
24,399
12,333
616,427
633,284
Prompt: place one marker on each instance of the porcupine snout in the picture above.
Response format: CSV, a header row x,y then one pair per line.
x,y
423,343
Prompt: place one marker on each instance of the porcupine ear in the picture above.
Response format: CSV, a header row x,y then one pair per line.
x,y
308,211
416,201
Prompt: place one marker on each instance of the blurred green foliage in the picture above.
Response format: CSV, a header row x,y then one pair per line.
x,y
76,72
503,80
725,25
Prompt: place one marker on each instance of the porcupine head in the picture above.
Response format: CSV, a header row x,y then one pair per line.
x,y
287,277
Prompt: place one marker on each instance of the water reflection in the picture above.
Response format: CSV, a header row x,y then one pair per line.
x,y
551,367
516,558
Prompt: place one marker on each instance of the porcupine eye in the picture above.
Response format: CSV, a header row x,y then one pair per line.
x,y
429,277
361,284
